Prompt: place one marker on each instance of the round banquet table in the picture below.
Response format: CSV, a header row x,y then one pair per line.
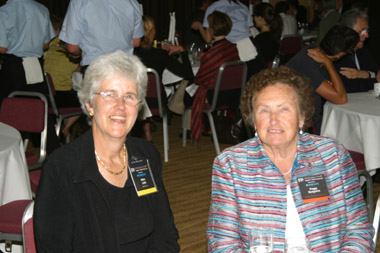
x,y
14,174
356,125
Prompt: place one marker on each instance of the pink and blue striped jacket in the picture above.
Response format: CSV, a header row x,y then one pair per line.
x,y
249,191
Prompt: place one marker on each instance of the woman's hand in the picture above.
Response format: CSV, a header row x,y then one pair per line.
x,y
353,73
317,55
173,49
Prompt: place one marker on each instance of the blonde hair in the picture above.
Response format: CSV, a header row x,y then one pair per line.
x,y
148,22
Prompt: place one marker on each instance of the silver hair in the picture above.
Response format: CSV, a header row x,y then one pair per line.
x,y
108,66
349,18
328,4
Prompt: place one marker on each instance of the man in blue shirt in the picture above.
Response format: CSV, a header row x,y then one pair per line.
x,y
96,27
25,32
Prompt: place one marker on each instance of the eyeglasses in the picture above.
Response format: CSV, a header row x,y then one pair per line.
x,y
111,96
366,31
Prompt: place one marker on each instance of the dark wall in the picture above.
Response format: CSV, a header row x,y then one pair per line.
x,y
374,25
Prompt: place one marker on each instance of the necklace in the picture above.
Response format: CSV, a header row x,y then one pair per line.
x,y
286,173
108,169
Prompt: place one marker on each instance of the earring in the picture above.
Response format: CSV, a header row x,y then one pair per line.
x,y
91,113
300,131
256,135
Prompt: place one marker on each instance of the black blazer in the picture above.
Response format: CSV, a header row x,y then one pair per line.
x,y
73,214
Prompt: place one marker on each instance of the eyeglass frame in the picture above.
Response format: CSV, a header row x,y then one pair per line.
x,y
365,31
116,97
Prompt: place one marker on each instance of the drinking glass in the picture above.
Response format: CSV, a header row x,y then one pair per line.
x,y
297,245
260,240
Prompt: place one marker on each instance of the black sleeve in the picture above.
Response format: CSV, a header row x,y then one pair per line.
x,y
165,236
53,220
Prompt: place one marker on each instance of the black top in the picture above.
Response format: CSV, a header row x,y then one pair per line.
x,y
76,210
266,46
316,74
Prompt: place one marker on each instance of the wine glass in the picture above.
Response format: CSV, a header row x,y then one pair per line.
x,y
261,240
297,245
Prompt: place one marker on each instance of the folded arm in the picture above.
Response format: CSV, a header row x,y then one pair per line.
x,y
332,90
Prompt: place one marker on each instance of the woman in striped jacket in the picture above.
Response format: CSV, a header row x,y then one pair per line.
x,y
294,183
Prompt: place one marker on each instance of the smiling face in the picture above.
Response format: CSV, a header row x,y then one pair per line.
x,y
113,119
277,116
361,27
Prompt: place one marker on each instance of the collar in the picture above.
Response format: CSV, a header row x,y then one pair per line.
x,y
88,169
307,152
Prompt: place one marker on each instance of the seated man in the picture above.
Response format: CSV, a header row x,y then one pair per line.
x,y
316,64
358,69
330,17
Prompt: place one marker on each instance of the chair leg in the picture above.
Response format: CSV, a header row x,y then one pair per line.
x,y
370,205
213,131
184,124
166,137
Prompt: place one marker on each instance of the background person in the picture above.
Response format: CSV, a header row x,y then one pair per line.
x,y
257,184
270,24
159,59
93,28
221,51
87,199
317,65
358,70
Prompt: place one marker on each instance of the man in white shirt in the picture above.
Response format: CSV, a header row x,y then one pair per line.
x,y
290,23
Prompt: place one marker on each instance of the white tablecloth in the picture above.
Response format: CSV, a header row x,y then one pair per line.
x,y
356,125
14,175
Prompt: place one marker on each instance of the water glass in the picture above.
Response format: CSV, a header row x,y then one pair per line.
x,y
297,245
261,240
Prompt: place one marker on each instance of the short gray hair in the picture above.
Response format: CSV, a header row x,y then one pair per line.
x,y
107,66
349,18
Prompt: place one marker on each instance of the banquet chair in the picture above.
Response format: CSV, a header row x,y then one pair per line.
x,y
289,46
376,220
28,113
60,112
231,76
154,91
27,230
358,159
11,215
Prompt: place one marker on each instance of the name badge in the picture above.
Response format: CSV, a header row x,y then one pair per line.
x,y
313,188
142,176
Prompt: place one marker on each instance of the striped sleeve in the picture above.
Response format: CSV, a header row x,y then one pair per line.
x,y
223,225
359,232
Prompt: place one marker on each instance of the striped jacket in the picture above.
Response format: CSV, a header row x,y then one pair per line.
x,y
249,191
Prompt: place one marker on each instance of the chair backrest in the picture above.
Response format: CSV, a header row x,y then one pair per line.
x,y
51,95
376,220
231,76
154,90
27,112
27,230
291,44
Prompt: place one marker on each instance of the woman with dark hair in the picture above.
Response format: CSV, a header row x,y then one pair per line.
x,y
270,25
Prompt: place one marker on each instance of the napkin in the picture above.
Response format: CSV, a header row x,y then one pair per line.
x,y
33,70
247,51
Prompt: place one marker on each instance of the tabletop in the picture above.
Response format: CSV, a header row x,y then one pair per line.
x,y
356,125
14,174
